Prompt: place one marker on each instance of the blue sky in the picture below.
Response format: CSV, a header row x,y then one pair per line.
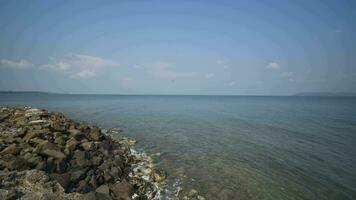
x,y
178,47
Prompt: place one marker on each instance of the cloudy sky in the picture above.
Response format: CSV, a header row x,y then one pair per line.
x,y
178,47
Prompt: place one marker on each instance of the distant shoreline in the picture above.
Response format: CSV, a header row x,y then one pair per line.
x,y
301,94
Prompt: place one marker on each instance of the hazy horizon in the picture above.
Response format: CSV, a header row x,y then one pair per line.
x,y
178,47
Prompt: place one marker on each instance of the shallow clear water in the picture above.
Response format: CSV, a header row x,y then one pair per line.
x,y
232,147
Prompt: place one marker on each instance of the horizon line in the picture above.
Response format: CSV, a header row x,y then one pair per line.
x,y
321,94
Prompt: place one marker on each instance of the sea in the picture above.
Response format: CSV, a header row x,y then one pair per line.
x,y
230,147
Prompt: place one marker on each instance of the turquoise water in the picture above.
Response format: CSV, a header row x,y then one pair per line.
x,y
232,147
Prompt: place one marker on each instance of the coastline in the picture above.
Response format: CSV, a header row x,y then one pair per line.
x,y
44,155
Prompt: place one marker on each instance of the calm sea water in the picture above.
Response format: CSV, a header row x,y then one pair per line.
x,y
232,147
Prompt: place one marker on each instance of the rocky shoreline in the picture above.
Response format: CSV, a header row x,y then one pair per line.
x,y
44,155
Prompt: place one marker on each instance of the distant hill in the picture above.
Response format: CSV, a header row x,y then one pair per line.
x,y
348,94
23,92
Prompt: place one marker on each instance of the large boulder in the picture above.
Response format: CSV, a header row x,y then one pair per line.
x,y
123,190
49,149
13,149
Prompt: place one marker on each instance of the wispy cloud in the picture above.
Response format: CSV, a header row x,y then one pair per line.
x,y
86,73
287,74
209,75
223,62
273,66
126,82
165,70
21,64
230,83
79,66
127,79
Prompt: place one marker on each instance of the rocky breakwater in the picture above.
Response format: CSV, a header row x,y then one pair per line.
x,y
45,155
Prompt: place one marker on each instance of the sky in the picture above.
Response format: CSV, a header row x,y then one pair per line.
x,y
196,47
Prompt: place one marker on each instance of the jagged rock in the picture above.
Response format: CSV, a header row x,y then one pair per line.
x,y
87,146
103,189
77,175
83,187
53,153
40,121
79,159
50,165
77,134
18,163
44,155
13,149
36,141
89,196
60,141
192,193
63,179
10,194
71,144
102,196
50,150
32,158
57,125
4,116
95,134
34,184
122,190
96,160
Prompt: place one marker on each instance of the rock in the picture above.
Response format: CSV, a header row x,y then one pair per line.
x,y
50,150
87,146
95,134
96,160
68,157
57,135
60,141
8,194
4,116
103,189
71,144
78,175
37,121
13,149
34,184
60,165
18,163
192,193
77,134
57,126
41,165
102,196
83,187
89,196
50,165
159,176
53,153
104,166
79,159
122,190
115,171
32,158
200,197
33,112
30,135
36,141
62,179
